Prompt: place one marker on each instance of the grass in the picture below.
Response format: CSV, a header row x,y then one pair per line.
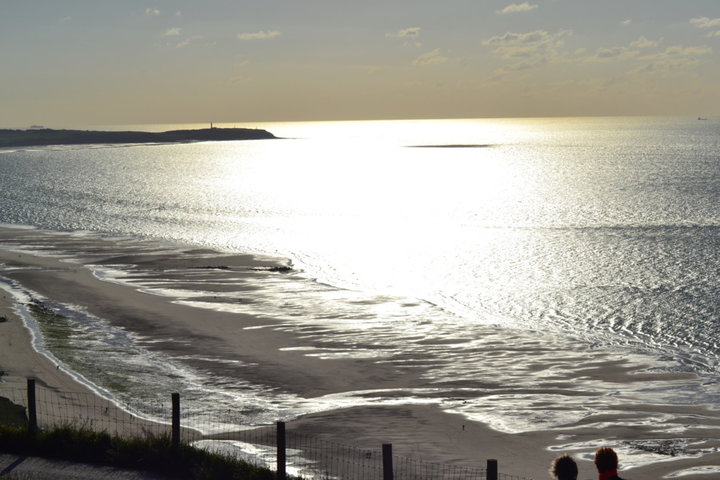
x,y
151,453
11,414
16,476
154,454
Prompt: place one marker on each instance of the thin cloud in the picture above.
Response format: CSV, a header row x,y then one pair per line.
x,y
241,80
613,53
515,39
152,11
626,22
531,48
65,19
673,59
412,33
188,41
172,32
433,57
677,51
242,64
620,53
643,42
705,22
524,52
261,35
517,8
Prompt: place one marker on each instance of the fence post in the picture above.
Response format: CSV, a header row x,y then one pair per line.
x,y
281,453
492,470
387,461
32,406
175,419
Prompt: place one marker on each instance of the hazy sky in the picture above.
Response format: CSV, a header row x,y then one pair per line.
x,y
95,62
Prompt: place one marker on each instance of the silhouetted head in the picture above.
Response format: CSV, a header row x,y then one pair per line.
x,y
606,460
564,468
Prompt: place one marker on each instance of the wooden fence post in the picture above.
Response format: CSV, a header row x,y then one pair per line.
x,y
175,419
32,406
492,470
281,453
387,461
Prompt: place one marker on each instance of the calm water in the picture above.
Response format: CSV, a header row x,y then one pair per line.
x,y
568,233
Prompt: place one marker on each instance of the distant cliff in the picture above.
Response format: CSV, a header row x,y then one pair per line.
x,y
45,136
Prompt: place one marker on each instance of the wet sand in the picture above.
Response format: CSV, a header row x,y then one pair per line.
x,y
423,432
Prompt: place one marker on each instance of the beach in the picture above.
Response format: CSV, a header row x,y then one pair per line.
x,y
257,349
476,232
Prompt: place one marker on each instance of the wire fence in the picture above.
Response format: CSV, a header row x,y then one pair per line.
x,y
266,446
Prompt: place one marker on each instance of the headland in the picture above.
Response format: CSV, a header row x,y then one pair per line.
x,y
46,136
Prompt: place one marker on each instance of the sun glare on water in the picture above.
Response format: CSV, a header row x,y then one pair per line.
x,y
386,191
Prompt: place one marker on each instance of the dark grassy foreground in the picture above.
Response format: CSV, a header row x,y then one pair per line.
x,y
11,414
154,454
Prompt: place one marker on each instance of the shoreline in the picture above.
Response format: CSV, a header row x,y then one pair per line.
x,y
266,354
55,385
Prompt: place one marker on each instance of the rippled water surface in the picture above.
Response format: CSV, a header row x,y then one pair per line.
x,y
561,237
587,225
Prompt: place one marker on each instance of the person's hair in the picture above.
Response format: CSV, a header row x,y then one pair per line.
x,y
564,468
606,460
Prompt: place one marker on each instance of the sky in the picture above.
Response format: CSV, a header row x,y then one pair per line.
x,y
103,62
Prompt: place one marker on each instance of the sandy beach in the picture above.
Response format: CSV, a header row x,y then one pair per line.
x,y
270,355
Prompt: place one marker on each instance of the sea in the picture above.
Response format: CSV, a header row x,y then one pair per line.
x,y
481,248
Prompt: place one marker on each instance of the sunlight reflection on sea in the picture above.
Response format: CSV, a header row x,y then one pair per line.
x,y
526,255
